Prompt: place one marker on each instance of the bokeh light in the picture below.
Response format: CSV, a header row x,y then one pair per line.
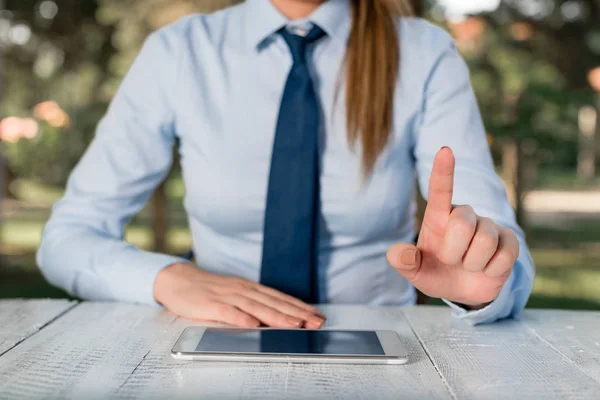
x,y
48,9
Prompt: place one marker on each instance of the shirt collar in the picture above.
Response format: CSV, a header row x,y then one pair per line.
x,y
335,18
263,19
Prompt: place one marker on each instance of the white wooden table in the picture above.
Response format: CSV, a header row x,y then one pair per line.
x,y
68,350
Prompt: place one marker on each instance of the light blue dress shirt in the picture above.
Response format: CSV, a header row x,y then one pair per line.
x,y
215,82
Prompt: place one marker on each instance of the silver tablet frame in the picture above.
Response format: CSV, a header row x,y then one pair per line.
x,y
185,350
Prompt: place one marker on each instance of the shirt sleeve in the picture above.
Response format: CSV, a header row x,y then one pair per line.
x,y
83,249
450,117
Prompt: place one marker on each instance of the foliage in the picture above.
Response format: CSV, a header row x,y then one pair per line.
x,y
55,151
529,61
77,55
62,55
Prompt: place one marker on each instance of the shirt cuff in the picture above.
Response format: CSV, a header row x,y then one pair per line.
x,y
136,284
498,309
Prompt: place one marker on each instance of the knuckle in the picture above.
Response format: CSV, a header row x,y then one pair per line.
x,y
456,212
508,233
487,223
505,258
486,241
464,211
463,227
469,210
510,240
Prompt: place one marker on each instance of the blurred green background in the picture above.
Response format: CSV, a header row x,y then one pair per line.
x,y
535,66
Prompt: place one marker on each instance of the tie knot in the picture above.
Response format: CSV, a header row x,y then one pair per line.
x,y
297,43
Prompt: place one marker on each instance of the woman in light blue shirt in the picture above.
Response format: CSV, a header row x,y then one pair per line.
x,y
301,125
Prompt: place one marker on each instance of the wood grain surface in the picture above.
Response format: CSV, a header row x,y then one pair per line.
x,y
575,335
88,353
20,319
159,375
61,350
500,361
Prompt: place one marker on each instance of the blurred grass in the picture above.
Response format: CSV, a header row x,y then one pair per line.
x,y
567,259
557,179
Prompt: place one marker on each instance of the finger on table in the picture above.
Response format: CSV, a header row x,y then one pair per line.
x,y
267,315
228,314
290,299
310,320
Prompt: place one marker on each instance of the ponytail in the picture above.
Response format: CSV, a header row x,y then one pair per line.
x,y
372,67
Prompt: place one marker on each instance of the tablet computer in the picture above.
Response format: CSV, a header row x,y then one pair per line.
x,y
290,346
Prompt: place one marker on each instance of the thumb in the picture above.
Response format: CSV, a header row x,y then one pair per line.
x,y
406,259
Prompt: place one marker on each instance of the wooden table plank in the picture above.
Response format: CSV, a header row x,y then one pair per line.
x,y
19,319
186,379
575,335
159,376
505,360
100,350
109,350
86,354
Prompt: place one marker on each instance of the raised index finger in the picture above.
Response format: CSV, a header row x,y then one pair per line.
x,y
441,183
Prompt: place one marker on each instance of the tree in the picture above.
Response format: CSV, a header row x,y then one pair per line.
x,y
56,52
529,64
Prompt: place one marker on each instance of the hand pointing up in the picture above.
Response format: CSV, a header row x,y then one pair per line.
x,y
460,256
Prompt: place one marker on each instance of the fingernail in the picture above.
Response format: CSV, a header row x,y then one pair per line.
x,y
317,321
409,257
445,147
294,321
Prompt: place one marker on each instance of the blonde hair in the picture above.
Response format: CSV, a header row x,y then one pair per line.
x,y
372,67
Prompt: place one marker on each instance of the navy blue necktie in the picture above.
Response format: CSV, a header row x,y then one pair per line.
x,y
290,246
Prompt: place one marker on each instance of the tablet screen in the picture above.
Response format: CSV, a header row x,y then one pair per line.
x,y
291,342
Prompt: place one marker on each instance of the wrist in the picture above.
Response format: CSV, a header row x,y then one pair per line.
x,y
168,278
